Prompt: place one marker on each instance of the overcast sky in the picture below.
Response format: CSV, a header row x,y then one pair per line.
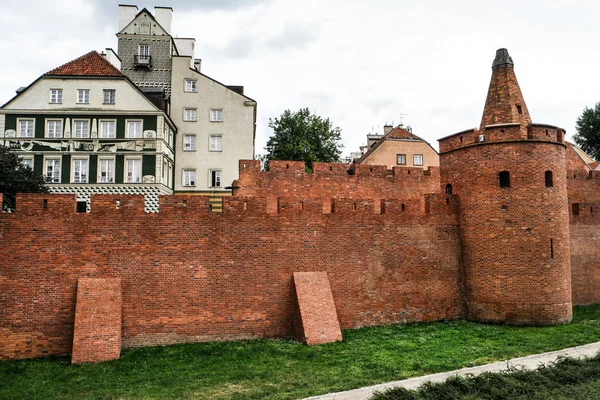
x,y
361,64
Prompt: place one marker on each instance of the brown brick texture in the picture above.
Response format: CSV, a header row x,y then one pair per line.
x,y
97,333
318,316
515,240
190,275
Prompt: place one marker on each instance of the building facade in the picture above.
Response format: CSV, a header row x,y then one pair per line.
x,y
216,122
89,130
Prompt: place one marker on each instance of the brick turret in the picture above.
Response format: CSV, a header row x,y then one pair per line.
x,y
511,182
505,103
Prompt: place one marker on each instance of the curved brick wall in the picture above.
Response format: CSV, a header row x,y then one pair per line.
x,y
515,241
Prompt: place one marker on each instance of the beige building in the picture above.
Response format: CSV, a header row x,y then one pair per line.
x,y
399,147
216,128
215,122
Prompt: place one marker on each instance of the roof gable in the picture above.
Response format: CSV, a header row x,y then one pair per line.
x,y
396,133
144,23
90,64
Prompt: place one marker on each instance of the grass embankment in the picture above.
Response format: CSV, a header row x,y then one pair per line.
x,y
565,379
276,369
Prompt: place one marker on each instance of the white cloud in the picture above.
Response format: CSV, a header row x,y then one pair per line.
x,y
360,64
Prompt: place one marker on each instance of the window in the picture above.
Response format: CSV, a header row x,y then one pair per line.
x,y
575,208
189,142
448,189
53,170
109,96
189,177
81,206
504,177
189,114
27,162
216,115
548,177
56,96
215,178
54,128
106,170
191,85
418,159
81,129
519,110
26,127
134,129
401,159
216,142
80,171
107,129
83,96
133,173
144,53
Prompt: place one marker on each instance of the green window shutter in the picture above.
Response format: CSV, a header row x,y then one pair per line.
x,y
38,164
93,175
119,168
65,168
148,165
39,127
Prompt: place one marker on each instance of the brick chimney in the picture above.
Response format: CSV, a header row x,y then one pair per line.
x,y
387,129
505,103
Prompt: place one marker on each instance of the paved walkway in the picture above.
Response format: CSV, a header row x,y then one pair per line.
x,y
529,362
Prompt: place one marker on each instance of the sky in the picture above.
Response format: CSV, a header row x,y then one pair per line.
x,y
426,64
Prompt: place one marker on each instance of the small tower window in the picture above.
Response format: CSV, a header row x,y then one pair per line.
x,y
448,189
504,179
548,176
519,109
575,208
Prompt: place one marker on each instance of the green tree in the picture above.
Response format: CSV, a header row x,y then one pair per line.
x,y
302,136
588,131
17,178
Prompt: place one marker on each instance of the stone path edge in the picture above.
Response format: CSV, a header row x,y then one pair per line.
x,y
528,362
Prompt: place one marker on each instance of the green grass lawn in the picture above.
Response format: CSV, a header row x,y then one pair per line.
x,y
279,369
564,379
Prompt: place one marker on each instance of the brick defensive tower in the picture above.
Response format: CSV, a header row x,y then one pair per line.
x,y
510,177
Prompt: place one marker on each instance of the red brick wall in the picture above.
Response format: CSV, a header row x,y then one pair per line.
x,y
97,335
515,240
190,275
318,321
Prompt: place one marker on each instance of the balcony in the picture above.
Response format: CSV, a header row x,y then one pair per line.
x,y
142,61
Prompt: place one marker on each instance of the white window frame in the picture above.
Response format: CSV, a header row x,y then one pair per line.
x,y
216,115
398,159
54,134
128,134
192,116
190,86
145,55
110,174
56,96
30,130
83,174
28,161
218,179
104,122
215,143
81,134
415,160
189,142
83,96
113,98
188,177
55,174
134,178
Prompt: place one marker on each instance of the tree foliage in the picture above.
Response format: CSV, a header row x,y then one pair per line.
x,y
17,178
588,131
302,136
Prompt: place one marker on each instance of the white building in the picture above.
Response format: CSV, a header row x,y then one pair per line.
x,y
216,122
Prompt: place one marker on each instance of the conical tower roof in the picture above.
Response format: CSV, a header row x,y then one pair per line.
x,y
505,103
